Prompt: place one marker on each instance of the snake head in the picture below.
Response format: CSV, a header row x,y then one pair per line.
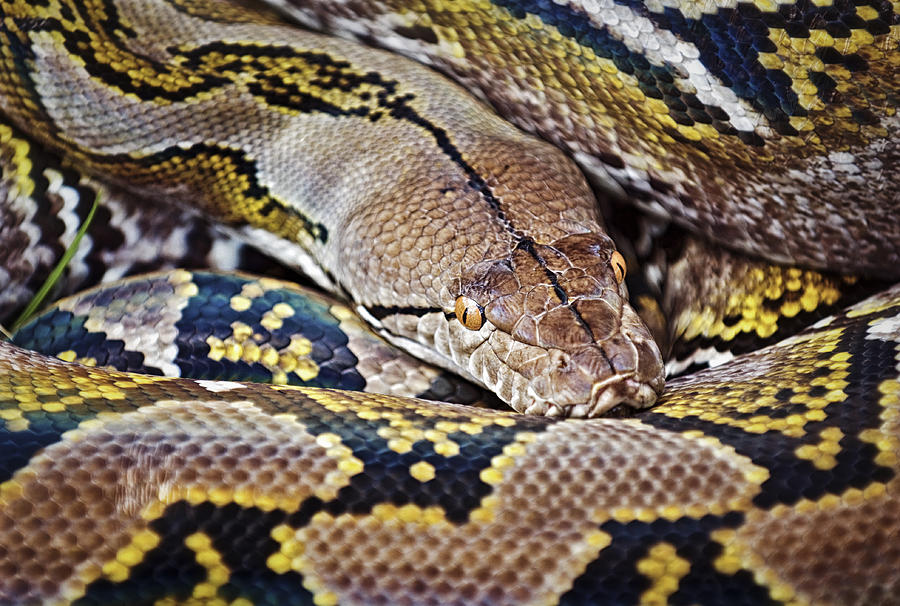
x,y
557,317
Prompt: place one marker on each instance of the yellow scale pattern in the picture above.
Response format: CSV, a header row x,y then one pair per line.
x,y
790,491
273,448
809,109
607,98
596,95
231,191
756,303
242,344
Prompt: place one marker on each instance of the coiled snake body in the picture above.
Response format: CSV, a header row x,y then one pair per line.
x,y
480,249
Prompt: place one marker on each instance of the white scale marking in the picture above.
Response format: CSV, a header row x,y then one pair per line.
x,y
219,386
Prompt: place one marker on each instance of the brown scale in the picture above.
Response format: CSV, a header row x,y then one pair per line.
x,y
679,463
559,490
749,190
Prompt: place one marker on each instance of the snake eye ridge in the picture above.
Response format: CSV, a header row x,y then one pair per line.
x,y
618,263
469,313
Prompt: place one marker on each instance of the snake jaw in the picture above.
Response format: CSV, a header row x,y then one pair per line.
x,y
625,390
605,395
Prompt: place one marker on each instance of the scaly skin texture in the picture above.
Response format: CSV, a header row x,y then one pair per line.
x,y
740,304
770,127
770,479
233,327
45,202
431,185
705,304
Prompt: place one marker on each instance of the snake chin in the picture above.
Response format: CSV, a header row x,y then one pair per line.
x,y
618,391
627,391
624,393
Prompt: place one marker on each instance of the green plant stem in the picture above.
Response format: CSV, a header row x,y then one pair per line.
x,y
54,276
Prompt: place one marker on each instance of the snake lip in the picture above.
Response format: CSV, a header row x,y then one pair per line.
x,y
617,390
622,389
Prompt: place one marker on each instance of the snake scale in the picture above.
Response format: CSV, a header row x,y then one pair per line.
x,y
769,479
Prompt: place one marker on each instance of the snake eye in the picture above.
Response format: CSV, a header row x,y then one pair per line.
x,y
469,313
618,263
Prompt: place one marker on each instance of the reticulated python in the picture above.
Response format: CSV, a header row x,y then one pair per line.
x,y
772,478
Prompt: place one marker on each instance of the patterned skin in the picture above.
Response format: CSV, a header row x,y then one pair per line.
x,y
706,304
44,202
772,478
231,327
481,222
769,127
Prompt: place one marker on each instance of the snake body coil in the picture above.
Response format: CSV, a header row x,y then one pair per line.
x,y
772,478
767,126
466,212
769,479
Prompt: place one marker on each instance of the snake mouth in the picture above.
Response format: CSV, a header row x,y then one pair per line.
x,y
617,390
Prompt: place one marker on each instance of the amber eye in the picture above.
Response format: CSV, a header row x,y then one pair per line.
x,y
618,263
469,313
